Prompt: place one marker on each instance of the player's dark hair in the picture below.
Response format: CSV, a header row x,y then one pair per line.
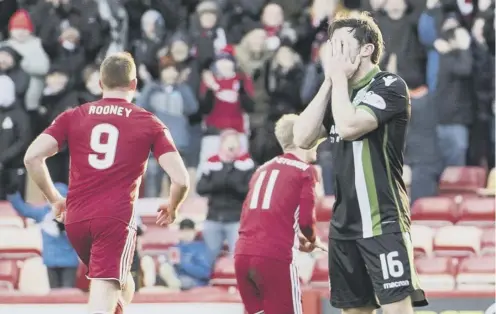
x,y
117,70
365,29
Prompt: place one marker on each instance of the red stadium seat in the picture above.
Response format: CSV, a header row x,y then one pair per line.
x,y
477,211
157,239
146,208
323,209
9,274
457,241
33,278
436,273
435,211
20,243
224,274
476,274
422,240
320,276
462,180
9,217
488,242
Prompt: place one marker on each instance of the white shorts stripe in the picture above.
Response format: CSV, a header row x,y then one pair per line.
x,y
127,252
295,289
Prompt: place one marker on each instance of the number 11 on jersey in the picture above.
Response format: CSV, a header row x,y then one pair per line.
x,y
267,192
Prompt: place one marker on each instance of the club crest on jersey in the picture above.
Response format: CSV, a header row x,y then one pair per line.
x,y
388,80
374,100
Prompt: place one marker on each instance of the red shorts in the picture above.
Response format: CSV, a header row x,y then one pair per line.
x,y
105,245
268,285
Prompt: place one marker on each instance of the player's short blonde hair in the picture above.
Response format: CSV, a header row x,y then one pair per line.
x,y
284,131
117,70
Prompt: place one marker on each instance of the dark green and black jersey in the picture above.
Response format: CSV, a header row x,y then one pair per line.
x,y
371,197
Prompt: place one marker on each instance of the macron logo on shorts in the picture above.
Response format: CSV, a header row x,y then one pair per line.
x,y
396,284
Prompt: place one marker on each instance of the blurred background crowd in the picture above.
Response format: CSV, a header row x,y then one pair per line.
x,y
219,73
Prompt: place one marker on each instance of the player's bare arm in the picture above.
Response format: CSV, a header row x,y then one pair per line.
x,y
351,123
308,128
43,146
173,165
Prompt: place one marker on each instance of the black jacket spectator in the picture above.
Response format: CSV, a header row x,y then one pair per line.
x,y
284,76
454,93
15,136
51,20
10,65
226,185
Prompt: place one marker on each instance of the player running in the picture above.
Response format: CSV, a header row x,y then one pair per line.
x,y
365,115
109,142
279,206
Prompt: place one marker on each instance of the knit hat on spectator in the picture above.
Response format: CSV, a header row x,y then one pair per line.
x,y
226,53
187,224
21,20
207,7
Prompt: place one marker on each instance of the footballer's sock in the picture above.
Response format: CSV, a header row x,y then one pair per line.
x,y
119,309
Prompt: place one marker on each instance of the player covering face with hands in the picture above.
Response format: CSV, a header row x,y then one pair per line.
x,y
364,112
109,142
277,219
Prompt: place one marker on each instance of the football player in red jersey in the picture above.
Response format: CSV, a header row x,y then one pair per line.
x,y
277,213
109,142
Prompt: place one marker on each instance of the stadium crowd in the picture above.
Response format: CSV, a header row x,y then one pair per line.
x,y
219,73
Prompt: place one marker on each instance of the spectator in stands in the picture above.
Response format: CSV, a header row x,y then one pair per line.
x,y
187,264
58,96
277,29
225,98
69,55
481,151
34,61
422,152
224,180
454,91
239,16
153,34
10,65
173,103
404,55
92,90
208,33
314,75
58,255
179,48
251,55
15,136
284,78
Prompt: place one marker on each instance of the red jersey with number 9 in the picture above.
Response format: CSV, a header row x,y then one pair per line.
x,y
280,203
109,143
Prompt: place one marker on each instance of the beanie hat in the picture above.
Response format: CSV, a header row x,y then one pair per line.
x,y
226,53
21,19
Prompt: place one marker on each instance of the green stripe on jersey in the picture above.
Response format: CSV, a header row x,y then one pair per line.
x,y
375,213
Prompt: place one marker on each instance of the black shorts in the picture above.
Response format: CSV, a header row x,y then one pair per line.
x,y
373,271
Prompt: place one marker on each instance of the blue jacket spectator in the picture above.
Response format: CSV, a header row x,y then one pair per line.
x,y
187,264
58,255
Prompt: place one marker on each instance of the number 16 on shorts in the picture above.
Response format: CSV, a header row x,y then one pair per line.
x,y
391,266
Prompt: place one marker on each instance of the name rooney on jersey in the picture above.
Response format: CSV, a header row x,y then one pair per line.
x,y
110,109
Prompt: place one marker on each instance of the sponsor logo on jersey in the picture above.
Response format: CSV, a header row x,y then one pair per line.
x,y
396,284
374,100
388,80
